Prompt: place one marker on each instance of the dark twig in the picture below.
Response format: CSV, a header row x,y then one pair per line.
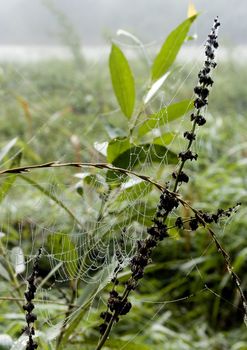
x,y
55,164
29,306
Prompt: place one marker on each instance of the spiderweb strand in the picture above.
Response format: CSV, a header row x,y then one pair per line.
x,y
225,255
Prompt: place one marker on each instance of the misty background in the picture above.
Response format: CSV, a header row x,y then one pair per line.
x,y
26,22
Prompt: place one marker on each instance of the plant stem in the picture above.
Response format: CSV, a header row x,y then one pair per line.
x,y
184,161
110,324
56,164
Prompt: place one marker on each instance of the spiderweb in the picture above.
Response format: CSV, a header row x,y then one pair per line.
x,y
85,229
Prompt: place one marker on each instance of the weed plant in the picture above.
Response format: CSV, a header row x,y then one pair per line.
x,y
191,299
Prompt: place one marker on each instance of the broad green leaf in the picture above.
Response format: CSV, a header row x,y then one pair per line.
x,y
166,115
170,49
164,139
122,81
143,214
116,147
144,153
96,182
63,249
114,179
146,217
134,190
121,153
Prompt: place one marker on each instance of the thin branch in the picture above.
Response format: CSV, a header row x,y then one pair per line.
x,y
55,164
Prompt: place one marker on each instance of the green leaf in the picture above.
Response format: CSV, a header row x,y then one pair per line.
x,y
63,249
164,139
122,81
170,48
96,182
116,147
121,153
166,115
142,153
147,212
137,155
133,190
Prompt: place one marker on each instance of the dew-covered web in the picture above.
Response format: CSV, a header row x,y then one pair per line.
x,y
81,226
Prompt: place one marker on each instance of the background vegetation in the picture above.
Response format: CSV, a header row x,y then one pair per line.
x,y
56,111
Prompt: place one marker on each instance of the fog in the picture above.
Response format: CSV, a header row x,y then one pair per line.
x,y
31,22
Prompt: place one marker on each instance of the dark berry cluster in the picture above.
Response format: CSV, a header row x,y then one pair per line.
x,y
180,176
199,119
179,222
205,80
29,306
202,92
193,223
118,306
141,259
201,218
167,203
221,213
156,233
189,136
187,155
